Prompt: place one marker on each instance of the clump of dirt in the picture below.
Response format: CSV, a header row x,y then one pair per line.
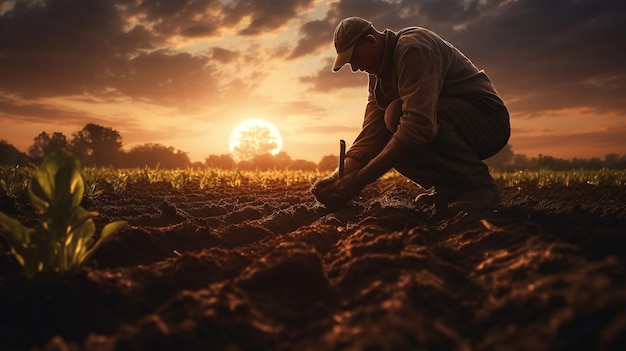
x,y
268,269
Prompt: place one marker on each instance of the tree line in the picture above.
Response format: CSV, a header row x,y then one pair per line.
x,y
506,160
100,146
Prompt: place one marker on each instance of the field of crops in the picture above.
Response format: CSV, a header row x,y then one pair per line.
x,y
13,180
238,260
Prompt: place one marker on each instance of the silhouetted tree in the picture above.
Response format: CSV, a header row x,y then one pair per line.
x,y
521,162
615,161
328,163
45,144
245,165
303,165
261,162
222,161
281,160
95,145
594,163
557,164
10,155
257,140
156,155
266,161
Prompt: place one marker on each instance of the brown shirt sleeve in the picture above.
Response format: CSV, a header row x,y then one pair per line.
x,y
420,70
427,67
374,134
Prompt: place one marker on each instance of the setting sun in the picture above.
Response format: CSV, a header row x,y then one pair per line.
x,y
254,137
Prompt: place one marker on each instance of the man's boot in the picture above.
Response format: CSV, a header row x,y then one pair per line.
x,y
443,194
483,198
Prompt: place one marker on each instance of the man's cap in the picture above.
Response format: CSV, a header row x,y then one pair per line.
x,y
346,34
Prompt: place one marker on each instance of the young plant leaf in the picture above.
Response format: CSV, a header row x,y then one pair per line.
x,y
107,232
18,236
64,236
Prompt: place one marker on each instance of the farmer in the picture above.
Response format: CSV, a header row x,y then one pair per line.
x,y
430,114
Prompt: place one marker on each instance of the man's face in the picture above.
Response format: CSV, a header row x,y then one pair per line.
x,y
365,56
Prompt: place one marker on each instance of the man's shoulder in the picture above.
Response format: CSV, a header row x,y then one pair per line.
x,y
417,37
410,34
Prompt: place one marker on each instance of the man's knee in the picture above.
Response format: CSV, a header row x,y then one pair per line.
x,y
393,112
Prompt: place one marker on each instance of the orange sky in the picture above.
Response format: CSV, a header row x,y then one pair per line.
x,y
184,73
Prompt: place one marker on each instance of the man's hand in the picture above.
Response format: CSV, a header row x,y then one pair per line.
x,y
335,193
322,183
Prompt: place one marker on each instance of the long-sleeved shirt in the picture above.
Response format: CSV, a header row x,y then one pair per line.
x,y
418,67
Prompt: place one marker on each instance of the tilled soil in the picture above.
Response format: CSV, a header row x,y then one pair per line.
x,y
268,269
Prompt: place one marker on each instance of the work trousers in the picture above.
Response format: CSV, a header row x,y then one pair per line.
x,y
467,133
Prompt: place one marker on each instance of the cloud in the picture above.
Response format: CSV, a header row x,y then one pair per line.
x,y
186,18
555,54
15,111
64,47
224,55
314,35
169,78
107,48
265,15
549,53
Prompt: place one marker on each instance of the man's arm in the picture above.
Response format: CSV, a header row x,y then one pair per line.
x,y
419,87
351,165
374,135
359,173
381,163
336,195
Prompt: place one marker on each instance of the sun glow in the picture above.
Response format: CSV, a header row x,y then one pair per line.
x,y
254,137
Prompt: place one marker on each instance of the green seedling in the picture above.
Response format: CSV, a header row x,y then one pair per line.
x,y
92,184
119,183
149,175
13,180
65,234
178,180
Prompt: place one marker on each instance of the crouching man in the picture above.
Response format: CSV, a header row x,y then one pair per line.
x,y
431,115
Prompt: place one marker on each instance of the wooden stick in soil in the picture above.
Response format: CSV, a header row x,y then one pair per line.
x,y
342,156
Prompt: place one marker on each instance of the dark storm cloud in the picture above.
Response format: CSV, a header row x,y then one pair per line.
x,y
264,15
108,49
554,53
314,35
540,54
63,47
223,55
170,78
187,18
